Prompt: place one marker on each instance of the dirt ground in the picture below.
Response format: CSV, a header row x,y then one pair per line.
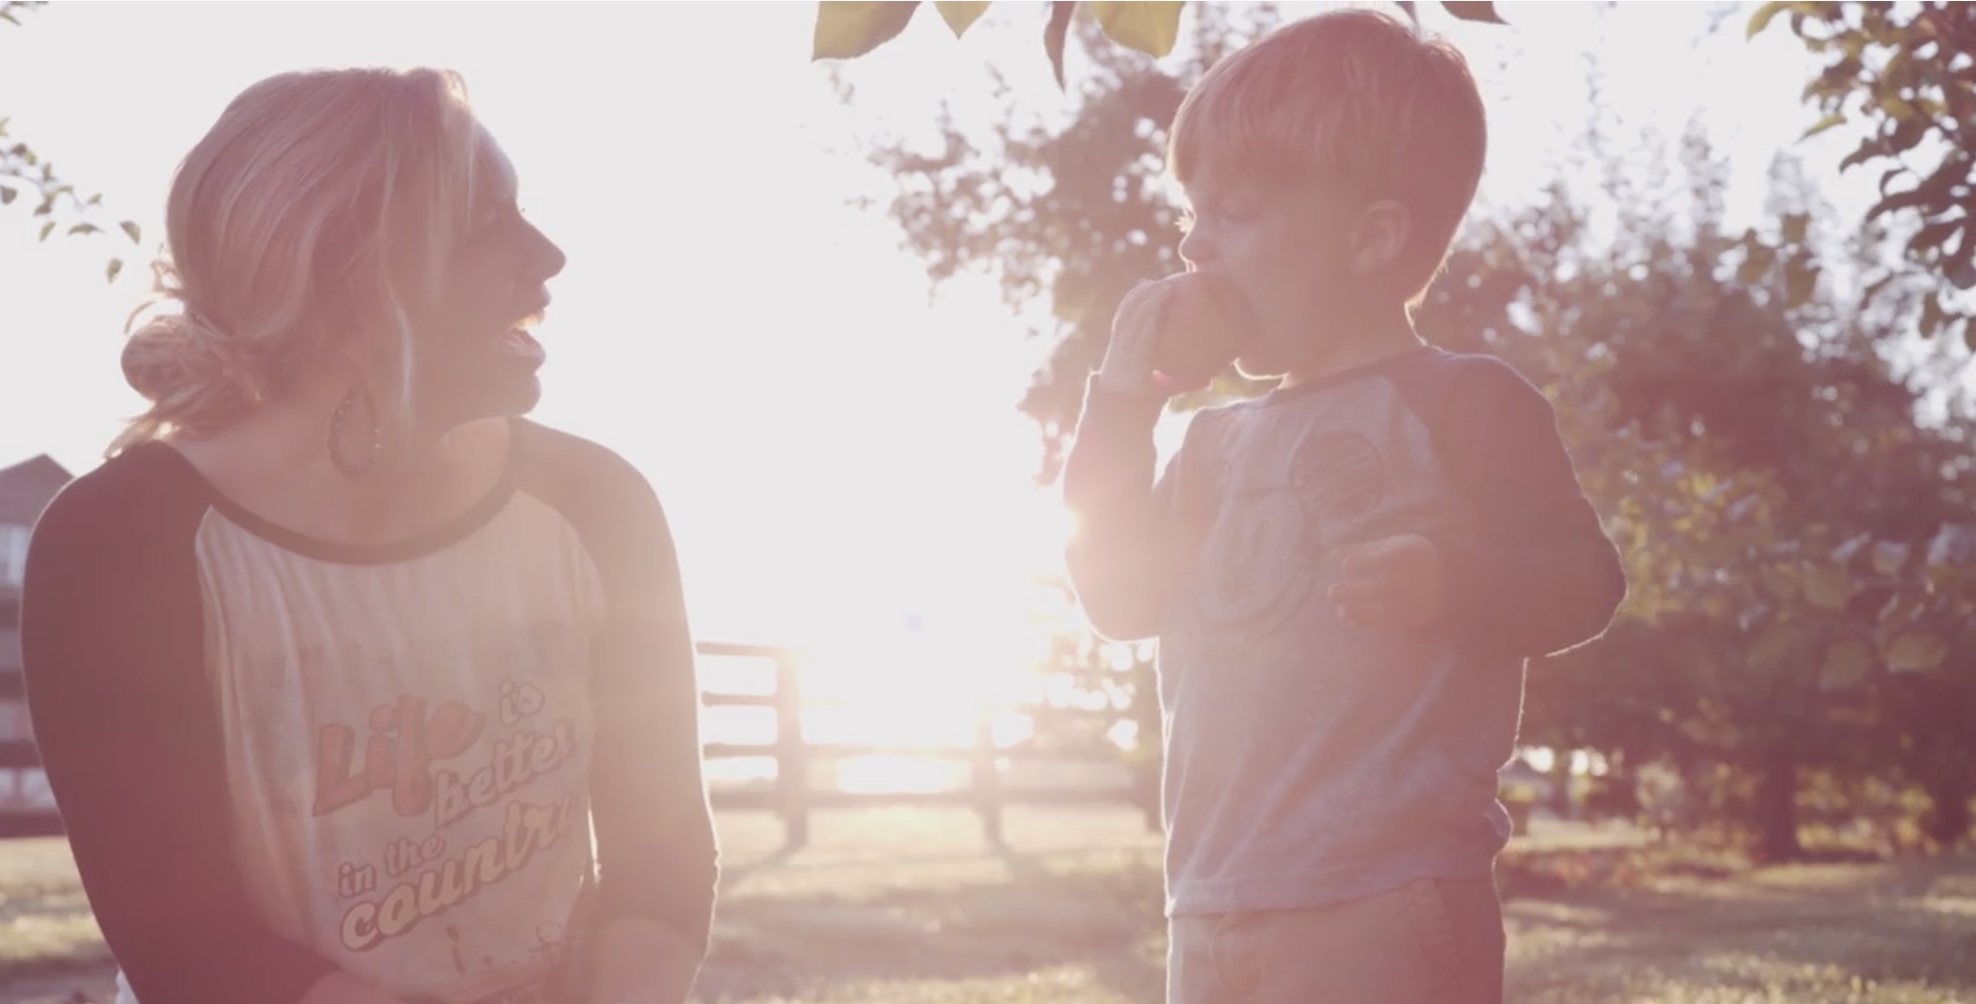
x,y
912,907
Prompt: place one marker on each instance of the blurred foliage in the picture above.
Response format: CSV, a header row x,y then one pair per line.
x,y
1907,73
57,203
849,30
1799,542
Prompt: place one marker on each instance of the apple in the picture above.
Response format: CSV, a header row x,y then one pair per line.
x,y
1204,325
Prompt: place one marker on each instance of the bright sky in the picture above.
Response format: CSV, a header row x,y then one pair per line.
x,y
837,452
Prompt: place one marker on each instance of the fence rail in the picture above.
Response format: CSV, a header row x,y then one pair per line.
x,y
791,796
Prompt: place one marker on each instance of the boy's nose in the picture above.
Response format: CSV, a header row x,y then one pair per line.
x,y
1195,249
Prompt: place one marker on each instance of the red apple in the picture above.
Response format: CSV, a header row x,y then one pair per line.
x,y
1205,325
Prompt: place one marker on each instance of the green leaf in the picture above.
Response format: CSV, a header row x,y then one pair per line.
x,y
46,229
1931,316
1054,34
136,233
1757,261
960,16
1827,584
1846,664
1844,553
849,30
1800,282
84,228
1962,274
1953,546
1832,121
111,271
1151,28
7,195
1781,580
1761,19
1915,651
1795,226
1483,12
1773,646
1889,556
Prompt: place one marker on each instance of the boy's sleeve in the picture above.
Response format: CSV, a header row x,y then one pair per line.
x,y
1539,575
1125,541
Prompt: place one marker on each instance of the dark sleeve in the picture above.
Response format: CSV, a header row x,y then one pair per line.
x,y
656,850
1126,541
1540,575
112,644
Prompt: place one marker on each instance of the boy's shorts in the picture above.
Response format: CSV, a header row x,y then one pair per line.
x,y
1435,940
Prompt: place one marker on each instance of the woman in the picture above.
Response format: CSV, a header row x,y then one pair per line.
x,y
338,664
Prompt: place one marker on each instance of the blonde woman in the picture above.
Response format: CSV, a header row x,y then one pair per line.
x,y
353,685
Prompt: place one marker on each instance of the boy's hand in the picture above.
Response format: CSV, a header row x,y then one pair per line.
x,y
1397,582
1129,356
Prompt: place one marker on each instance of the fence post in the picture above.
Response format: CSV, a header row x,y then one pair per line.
x,y
792,760
987,780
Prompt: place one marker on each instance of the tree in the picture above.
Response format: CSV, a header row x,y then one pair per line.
x,y
56,202
1768,480
1907,72
850,30
1782,513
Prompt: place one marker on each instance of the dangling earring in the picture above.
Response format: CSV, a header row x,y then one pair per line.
x,y
354,468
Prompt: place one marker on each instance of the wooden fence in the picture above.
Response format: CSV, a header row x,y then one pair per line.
x,y
792,796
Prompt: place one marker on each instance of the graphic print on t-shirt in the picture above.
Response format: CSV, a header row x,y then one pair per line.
x,y
1268,543
417,755
431,832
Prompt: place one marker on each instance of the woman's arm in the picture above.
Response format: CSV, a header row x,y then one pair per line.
x,y
655,835
657,855
113,647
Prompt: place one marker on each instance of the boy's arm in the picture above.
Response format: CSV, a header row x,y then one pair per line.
x,y
1540,576
1123,540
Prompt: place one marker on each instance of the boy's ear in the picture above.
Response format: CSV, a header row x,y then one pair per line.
x,y
1380,237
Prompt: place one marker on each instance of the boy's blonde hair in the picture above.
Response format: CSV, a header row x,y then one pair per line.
x,y
1352,96
316,207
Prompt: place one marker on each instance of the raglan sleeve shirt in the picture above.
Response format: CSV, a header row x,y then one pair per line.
x,y
114,629
656,849
1539,575
112,642
1125,553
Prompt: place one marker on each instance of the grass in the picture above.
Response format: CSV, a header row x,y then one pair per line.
x,y
911,907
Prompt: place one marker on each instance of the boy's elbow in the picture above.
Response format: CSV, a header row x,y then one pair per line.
x,y
1117,615
1601,596
1115,600
1121,625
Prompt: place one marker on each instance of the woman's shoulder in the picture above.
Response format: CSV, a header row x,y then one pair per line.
x,y
567,467
140,486
137,511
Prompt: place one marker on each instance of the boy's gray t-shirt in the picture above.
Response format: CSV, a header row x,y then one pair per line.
x,y
1309,761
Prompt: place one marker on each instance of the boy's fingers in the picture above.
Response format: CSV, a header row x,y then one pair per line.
x,y
1370,614
1136,310
1355,591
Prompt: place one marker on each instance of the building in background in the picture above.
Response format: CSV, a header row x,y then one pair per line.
x,y
25,489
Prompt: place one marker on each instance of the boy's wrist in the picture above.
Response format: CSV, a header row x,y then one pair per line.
x,y
1127,376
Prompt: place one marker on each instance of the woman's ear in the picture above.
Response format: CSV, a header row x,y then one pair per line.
x,y
1380,236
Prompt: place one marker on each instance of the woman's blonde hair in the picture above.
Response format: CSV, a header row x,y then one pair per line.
x,y
314,207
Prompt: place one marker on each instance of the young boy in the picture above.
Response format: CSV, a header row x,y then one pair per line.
x,y
1347,575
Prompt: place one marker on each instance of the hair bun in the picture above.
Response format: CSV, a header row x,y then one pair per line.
x,y
189,370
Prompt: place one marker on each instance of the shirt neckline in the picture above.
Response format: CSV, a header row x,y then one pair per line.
x,y
438,538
